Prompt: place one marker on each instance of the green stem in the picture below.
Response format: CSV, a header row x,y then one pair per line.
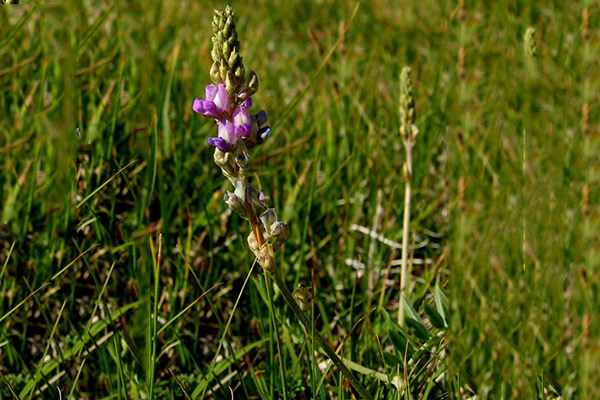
x,y
405,228
289,299
396,381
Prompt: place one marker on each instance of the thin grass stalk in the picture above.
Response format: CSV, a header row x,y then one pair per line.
x,y
154,320
226,329
405,231
272,336
409,132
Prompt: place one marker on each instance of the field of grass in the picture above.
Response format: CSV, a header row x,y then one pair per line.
x,y
104,166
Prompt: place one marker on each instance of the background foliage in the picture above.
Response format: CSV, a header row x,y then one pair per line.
x,y
505,200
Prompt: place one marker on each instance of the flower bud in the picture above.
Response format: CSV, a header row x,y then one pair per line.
x,y
252,85
239,74
303,296
214,72
240,190
243,159
281,231
264,198
252,196
268,218
279,228
223,160
263,134
229,83
266,257
253,243
234,203
222,70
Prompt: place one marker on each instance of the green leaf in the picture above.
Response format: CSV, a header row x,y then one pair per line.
x,y
419,329
415,321
441,303
434,317
391,359
401,342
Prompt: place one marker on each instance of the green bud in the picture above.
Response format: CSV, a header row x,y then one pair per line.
x,y
214,73
223,70
239,74
230,83
226,52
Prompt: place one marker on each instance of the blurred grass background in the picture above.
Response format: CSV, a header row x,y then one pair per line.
x,y
505,204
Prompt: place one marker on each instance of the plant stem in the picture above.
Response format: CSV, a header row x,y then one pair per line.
x,y
154,320
291,301
405,228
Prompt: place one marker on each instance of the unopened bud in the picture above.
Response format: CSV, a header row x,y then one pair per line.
x,y
281,231
252,196
234,203
229,83
268,218
303,296
240,191
214,72
277,228
253,243
252,85
266,258
264,198
243,159
222,70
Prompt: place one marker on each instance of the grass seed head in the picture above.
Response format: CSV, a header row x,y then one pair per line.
x,y
407,104
530,42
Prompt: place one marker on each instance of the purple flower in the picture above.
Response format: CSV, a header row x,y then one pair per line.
x,y
216,104
226,139
242,122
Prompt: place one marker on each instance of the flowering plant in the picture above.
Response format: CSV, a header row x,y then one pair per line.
x,y
227,101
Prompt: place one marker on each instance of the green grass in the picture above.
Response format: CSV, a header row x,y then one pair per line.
x,y
504,207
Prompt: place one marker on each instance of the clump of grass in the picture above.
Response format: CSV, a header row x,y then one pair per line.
x,y
80,215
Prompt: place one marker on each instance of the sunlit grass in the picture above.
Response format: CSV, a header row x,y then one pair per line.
x,y
501,146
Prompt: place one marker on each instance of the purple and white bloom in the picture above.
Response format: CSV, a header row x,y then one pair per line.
x,y
260,120
247,103
226,139
216,104
242,122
